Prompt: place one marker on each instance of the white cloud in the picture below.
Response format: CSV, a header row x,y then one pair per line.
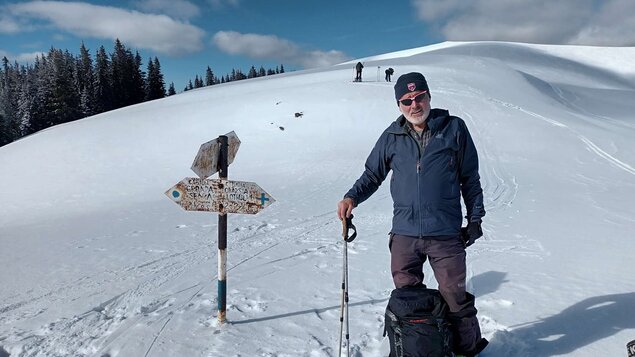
x,y
614,25
156,32
9,24
585,22
21,58
274,48
28,57
181,9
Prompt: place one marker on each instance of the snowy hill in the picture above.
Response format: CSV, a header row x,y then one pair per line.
x,y
97,261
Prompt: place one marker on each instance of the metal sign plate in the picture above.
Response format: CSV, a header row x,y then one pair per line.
x,y
223,196
206,161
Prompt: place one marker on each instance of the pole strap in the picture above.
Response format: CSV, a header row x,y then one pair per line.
x,y
347,224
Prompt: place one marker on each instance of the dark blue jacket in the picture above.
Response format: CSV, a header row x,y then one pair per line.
x,y
426,187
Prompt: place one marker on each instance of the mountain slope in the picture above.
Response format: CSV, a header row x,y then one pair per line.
x,y
97,261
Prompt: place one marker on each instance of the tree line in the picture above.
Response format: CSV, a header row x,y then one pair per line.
x,y
235,75
60,87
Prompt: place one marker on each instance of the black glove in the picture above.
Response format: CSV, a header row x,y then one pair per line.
x,y
471,233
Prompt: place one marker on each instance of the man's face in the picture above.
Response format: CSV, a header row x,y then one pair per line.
x,y
417,112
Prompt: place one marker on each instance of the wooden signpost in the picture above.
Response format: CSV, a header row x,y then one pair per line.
x,y
219,195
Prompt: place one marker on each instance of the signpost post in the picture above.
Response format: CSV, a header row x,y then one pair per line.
x,y
223,163
222,196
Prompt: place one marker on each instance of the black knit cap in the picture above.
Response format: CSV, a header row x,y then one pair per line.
x,y
410,82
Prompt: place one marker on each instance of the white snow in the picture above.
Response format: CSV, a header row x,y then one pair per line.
x,y
96,260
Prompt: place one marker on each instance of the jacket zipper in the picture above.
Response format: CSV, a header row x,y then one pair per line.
x,y
419,200
418,169
419,197
422,152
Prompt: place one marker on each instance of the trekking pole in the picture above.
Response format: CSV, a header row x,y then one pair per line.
x,y
346,225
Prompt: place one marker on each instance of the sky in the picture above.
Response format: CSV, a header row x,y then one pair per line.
x,y
96,260
187,36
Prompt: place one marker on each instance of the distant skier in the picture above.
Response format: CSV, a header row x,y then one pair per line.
x,y
358,71
389,72
433,161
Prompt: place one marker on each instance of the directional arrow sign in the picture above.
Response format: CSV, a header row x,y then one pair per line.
x,y
206,162
223,196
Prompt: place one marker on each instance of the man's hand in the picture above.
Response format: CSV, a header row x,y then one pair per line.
x,y
471,233
344,208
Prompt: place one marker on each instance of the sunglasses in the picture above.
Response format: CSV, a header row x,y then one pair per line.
x,y
419,98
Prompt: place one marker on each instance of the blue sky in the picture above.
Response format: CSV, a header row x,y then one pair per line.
x,y
187,35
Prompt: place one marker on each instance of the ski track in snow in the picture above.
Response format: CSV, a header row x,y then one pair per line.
x,y
88,332
500,189
100,327
587,142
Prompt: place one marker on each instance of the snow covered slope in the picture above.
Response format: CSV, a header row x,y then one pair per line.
x,y
96,260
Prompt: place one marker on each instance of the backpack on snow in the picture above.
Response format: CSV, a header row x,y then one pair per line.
x,y
416,323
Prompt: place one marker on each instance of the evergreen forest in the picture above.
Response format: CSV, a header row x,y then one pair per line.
x,y
60,87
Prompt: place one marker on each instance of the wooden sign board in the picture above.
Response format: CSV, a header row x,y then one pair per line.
x,y
223,196
206,161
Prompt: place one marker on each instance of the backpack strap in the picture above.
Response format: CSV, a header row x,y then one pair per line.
x,y
396,326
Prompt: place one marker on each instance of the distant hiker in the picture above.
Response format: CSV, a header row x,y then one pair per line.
x,y
358,71
389,72
433,161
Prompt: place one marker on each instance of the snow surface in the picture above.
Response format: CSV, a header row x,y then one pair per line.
x,y
96,260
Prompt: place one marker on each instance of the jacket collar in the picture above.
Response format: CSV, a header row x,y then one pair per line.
x,y
436,120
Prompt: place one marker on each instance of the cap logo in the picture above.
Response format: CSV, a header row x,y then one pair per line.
x,y
411,86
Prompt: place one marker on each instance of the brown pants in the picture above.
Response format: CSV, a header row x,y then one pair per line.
x,y
447,259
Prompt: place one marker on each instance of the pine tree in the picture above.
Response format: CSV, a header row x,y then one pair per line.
x,y
4,136
150,81
63,104
209,77
281,68
198,82
9,101
252,72
86,82
42,83
261,72
127,77
119,75
155,85
161,81
26,101
103,82
138,81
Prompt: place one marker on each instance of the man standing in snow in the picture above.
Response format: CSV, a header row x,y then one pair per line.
x,y
358,71
389,73
434,162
